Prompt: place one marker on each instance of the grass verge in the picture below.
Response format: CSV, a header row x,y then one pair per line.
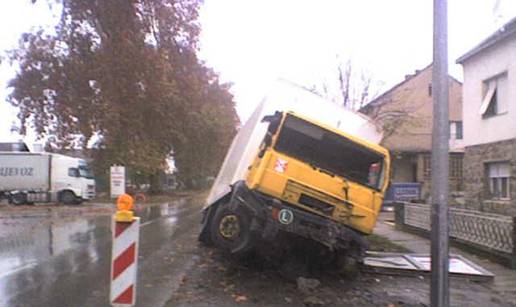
x,y
381,244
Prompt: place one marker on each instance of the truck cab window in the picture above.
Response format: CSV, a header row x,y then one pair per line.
x,y
73,172
331,152
85,172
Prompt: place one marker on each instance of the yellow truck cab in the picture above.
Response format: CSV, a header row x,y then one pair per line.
x,y
289,172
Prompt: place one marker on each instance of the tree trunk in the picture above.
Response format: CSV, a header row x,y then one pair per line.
x,y
155,184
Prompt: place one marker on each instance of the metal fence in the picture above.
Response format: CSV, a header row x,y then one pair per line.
x,y
490,232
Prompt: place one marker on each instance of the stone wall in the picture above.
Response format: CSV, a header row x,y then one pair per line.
x,y
476,184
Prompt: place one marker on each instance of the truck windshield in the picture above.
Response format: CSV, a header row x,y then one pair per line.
x,y
85,172
329,151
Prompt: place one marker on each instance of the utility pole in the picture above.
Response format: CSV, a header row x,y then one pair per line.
x,y
439,291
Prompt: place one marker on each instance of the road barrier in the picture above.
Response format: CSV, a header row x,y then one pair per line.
x,y
124,255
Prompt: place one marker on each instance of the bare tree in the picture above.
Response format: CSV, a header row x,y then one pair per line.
x,y
391,121
354,88
395,114
351,86
344,83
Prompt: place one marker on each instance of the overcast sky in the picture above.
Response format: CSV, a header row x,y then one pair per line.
x,y
253,43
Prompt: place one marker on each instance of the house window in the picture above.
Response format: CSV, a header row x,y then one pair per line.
x,y
427,167
456,167
455,164
495,96
499,180
456,130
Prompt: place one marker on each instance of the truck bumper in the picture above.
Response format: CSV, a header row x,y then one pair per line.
x,y
271,216
89,193
88,196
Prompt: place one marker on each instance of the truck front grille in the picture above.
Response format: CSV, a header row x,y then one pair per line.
x,y
298,193
316,204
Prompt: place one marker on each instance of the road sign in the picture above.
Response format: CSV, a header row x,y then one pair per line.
x,y
117,181
403,191
124,262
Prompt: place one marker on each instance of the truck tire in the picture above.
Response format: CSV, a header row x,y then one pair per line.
x,y
68,198
229,230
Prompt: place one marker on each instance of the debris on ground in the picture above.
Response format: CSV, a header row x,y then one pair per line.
x,y
307,285
257,281
239,298
313,301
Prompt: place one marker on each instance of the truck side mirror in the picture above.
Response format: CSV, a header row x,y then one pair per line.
x,y
267,118
273,120
267,141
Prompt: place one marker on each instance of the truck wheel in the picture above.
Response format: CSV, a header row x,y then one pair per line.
x,y
68,198
18,199
229,230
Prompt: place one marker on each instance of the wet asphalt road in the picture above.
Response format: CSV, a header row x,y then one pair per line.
x,y
52,261
66,261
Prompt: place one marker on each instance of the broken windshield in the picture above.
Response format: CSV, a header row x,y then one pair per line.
x,y
330,152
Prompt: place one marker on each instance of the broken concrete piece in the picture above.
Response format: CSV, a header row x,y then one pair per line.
x,y
307,285
313,301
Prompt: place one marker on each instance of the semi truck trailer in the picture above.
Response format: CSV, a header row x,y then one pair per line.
x,y
44,177
300,167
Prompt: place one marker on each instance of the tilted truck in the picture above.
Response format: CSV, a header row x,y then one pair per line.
x,y
301,167
44,177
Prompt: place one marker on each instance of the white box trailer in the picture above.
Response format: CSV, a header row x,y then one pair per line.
x,y
44,177
24,172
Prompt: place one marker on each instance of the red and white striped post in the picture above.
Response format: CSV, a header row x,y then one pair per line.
x,y
124,255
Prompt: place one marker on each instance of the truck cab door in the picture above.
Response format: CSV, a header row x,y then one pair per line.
x,y
74,181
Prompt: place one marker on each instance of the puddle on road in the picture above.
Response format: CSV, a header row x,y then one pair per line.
x,y
24,242
168,211
44,247
35,240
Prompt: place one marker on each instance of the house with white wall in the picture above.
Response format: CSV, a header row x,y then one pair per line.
x,y
489,120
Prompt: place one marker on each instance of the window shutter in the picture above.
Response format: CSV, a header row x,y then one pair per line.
x,y
453,131
499,170
488,97
504,170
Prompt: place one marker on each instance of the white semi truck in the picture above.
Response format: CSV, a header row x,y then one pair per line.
x,y
44,177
